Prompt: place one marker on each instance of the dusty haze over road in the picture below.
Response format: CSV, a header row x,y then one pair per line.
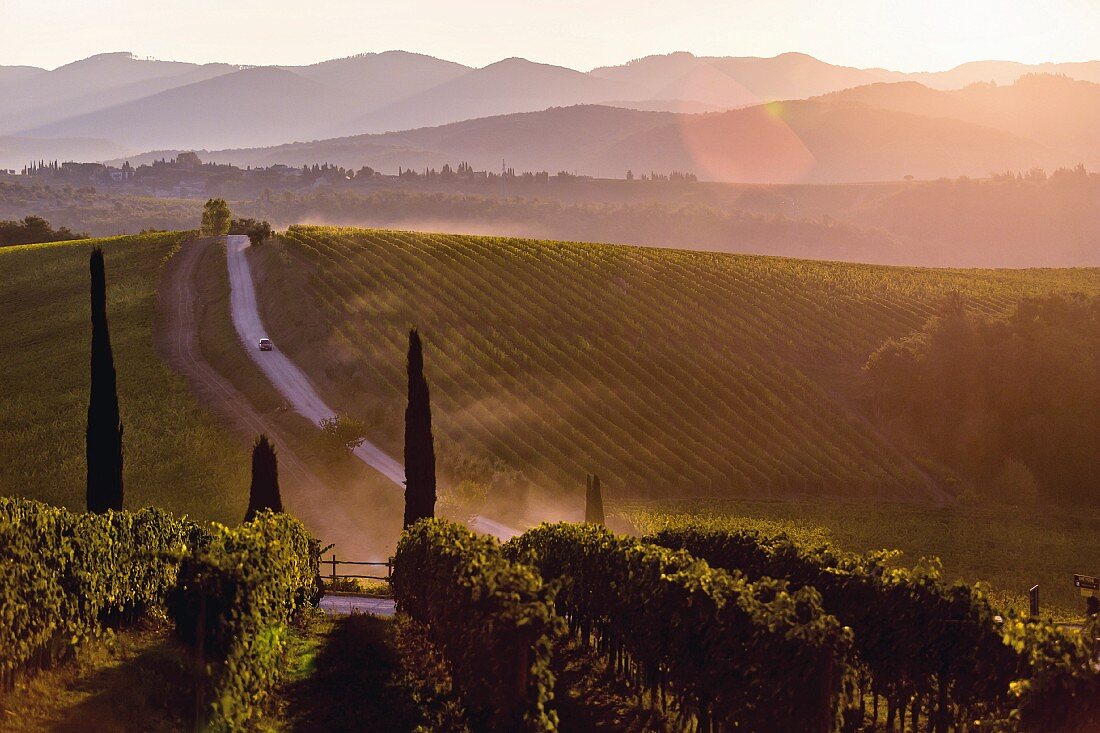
x,y
291,382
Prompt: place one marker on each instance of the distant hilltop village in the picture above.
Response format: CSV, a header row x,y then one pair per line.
x,y
186,176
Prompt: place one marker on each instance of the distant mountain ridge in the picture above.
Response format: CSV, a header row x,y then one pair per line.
x,y
120,102
872,133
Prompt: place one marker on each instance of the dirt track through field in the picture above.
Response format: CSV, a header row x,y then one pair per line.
x,y
291,382
304,494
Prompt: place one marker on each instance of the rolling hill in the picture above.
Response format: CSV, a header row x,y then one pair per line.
x,y
672,374
728,82
40,97
818,140
1054,111
556,139
176,456
374,80
825,142
511,85
996,72
246,107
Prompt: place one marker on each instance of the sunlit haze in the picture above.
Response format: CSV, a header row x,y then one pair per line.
x,y
907,35
550,365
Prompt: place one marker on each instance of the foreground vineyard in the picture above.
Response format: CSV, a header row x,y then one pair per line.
x,y
668,372
231,593
704,629
736,631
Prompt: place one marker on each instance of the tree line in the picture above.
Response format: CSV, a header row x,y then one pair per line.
x,y
35,229
1010,403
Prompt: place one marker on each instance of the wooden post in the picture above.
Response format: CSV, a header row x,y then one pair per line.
x,y
200,664
1033,597
334,567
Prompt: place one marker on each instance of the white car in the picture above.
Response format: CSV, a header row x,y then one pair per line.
x,y
266,345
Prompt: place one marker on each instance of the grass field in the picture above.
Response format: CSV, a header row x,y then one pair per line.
x,y
670,373
176,456
1009,548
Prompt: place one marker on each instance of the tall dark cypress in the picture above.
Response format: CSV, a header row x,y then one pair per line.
x,y
419,448
264,492
593,503
104,435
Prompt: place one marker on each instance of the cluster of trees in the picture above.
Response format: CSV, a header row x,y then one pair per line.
x,y
218,220
674,176
1011,404
34,229
258,231
466,172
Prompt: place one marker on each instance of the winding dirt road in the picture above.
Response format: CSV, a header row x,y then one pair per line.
x,y
294,385
330,513
291,382
304,494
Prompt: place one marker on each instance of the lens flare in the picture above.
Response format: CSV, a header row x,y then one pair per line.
x,y
752,145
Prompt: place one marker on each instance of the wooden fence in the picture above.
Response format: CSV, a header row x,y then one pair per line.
x,y
331,565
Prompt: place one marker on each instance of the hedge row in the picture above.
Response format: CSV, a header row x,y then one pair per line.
x,y
65,575
923,644
735,655
492,620
238,590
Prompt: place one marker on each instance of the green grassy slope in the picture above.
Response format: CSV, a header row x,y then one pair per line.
x,y
176,457
668,372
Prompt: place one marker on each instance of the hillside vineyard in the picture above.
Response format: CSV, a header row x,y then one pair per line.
x,y
672,373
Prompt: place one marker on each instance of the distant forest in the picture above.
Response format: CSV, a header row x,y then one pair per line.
x,y
1009,220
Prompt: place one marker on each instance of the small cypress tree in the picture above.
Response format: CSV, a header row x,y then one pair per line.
x,y
104,432
419,446
593,504
264,492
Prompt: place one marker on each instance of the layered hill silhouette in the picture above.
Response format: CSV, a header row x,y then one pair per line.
x,y
511,85
249,106
35,97
726,82
117,101
1052,110
883,131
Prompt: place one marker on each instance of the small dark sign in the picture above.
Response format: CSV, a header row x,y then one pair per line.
x,y
1086,582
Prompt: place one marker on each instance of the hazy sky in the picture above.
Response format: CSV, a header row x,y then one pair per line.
x,y
908,35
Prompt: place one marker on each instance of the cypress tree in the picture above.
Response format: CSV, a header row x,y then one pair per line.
x,y
104,434
419,448
593,504
264,492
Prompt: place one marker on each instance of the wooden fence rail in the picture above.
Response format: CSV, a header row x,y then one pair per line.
x,y
332,562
